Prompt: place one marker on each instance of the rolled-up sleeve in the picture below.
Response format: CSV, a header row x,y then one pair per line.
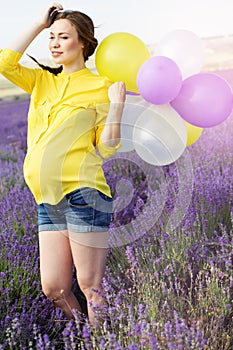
x,y
22,76
105,151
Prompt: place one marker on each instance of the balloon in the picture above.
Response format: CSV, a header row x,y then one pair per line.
x,y
119,57
159,80
205,100
132,93
194,132
159,135
185,48
134,106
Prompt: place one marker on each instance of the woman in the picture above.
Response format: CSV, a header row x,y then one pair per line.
x,y
71,126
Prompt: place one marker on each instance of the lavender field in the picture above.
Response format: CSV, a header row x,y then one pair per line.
x,y
166,290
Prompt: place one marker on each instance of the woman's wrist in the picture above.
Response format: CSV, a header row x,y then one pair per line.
x,y
115,111
39,26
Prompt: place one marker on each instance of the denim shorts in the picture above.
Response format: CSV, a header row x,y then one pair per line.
x,y
82,210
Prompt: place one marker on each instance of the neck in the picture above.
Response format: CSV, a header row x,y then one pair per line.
x,y
68,69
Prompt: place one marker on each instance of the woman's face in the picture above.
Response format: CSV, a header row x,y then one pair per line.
x,y
64,44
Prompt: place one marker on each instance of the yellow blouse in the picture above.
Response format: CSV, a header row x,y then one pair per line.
x,y
66,116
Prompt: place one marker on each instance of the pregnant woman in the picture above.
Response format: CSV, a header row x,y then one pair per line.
x,y
73,123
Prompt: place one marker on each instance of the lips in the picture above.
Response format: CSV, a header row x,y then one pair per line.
x,y
56,53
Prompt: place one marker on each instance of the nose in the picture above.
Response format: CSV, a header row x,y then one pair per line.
x,y
55,43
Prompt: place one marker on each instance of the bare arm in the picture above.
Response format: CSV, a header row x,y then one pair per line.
x,y
24,40
111,133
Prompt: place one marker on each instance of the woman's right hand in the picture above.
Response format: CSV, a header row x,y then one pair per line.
x,y
21,43
46,17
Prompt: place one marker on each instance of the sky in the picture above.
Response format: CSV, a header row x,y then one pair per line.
x,y
147,19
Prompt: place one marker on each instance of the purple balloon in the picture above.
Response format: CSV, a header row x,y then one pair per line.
x,y
159,80
205,100
132,93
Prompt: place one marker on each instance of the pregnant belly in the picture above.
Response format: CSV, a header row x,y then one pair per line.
x,y
43,174
50,173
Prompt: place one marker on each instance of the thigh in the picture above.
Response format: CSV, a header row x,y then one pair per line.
x,y
55,259
89,259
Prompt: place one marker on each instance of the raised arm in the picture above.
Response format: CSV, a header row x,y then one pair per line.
x,y
24,40
111,133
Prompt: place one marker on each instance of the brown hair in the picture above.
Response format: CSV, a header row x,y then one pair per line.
x,y
85,30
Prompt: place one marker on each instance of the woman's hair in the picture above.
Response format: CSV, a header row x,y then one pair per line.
x,y
85,30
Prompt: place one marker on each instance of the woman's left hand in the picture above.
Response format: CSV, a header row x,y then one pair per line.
x,y
117,92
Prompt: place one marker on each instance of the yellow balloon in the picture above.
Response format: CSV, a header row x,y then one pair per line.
x,y
119,57
194,132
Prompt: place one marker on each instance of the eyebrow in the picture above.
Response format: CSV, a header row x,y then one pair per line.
x,y
60,33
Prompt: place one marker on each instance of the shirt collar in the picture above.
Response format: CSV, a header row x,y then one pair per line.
x,y
75,74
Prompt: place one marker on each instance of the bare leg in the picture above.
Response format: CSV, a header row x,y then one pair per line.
x,y
56,270
90,261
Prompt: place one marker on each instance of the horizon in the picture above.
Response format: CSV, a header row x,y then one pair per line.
x,y
218,57
219,45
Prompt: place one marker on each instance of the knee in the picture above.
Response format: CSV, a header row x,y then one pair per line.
x,y
53,292
90,290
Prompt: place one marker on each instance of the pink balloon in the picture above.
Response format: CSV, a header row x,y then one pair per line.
x,y
159,80
205,100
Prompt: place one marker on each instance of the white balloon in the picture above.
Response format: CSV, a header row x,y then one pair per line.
x,y
160,135
134,106
185,48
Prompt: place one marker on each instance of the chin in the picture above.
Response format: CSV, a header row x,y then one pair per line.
x,y
58,60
